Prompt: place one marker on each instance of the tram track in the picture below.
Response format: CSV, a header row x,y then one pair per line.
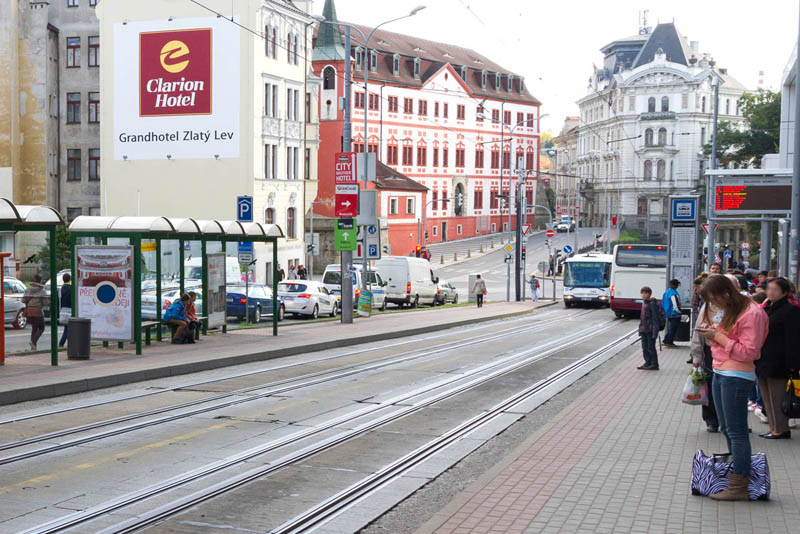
x,y
235,398
504,364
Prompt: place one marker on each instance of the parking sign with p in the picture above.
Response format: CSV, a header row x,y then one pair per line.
x,y
244,209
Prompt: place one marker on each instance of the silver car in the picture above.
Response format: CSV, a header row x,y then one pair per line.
x,y
15,313
446,292
307,297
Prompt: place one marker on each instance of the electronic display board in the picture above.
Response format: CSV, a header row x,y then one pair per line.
x,y
752,196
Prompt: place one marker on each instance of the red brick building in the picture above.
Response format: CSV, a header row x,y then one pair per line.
x,y
438,114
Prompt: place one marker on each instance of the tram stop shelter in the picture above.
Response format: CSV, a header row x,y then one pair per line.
x,y
14,218
158,229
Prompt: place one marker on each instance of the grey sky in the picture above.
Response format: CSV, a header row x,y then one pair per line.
x,y
554,43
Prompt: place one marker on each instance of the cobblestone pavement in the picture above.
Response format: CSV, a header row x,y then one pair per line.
x,y
619,459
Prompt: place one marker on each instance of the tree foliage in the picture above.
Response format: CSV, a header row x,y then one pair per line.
x,y
762,113
546,140
551,198
62,253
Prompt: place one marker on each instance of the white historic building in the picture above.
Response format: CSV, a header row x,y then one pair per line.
x,y
647,114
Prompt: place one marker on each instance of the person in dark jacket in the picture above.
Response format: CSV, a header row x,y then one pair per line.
x,y
672,308
648,329
779,355
65,301
35,299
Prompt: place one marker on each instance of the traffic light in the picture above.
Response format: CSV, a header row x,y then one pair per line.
x,y
426,235
386,250
309,249
418,250
523,253
614,220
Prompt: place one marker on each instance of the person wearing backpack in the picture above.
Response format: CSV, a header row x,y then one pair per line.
x,y
672,309
534,283
651,322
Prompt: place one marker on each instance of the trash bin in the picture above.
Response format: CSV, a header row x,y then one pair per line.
x,y
79,338
683,333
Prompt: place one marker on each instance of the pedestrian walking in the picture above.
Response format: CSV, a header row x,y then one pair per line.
x,y
649,327
65,301
672,309
551,266
35,300
736,328
534,283
301,273
281,273
779,356
479,290
292,273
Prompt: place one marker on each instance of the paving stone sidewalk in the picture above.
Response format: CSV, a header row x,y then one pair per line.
x,y
619,459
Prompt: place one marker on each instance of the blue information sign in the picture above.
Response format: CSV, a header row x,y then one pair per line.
x,y
684,209
244,209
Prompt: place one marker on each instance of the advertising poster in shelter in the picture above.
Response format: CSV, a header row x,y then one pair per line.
x,y
217,306
105,290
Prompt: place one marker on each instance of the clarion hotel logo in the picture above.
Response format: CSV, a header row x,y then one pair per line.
x,y
175,73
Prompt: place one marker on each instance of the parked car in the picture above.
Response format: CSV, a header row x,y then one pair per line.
x,y
258,303
13,288
167,298
193,270
410,281
446,292
15,313
307,297
332,278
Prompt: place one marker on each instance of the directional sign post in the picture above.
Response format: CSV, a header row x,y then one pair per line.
x,y
346,200
345,235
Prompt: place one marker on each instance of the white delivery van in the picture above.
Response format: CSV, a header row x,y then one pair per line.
x,y
409,281
332,279
193,270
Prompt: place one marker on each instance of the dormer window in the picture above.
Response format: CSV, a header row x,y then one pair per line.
x,y
483,79
497,80
464,73
510,84
359,57
396,65
373,60
416,68
521,85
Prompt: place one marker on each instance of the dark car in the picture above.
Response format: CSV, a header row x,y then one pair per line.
x,y
259,302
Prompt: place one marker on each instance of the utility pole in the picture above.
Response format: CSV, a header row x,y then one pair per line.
x,y
710,192
577,212
347,139
518,204
764,254
794,242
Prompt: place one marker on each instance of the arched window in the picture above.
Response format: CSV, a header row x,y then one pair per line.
x,y
664,103
661,169
651,104
269,216
662,136
329,78
648,170
648,137
291,230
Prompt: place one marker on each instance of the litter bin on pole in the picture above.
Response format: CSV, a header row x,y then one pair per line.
x,y
79,338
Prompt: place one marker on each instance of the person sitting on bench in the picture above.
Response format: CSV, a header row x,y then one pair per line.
x,y
191,314
176,316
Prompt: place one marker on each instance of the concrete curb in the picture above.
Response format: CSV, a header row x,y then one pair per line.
x,y
79,386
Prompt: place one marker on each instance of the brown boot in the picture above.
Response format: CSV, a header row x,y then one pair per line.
x,y
737,490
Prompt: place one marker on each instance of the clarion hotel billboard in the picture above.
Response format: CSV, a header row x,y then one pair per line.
x,y
176,89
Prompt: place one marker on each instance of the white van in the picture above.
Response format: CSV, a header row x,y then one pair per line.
x,y
332,278
193,270
410,281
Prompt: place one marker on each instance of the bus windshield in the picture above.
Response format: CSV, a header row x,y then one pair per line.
x,y
637,256
587,274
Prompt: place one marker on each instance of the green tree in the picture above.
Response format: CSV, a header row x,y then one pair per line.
x,y
62,253
546,140
551,198
762,113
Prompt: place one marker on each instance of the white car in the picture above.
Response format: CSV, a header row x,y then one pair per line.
x,y
307,297
332,278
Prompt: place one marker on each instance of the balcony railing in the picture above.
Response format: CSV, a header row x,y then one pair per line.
x,y
658,116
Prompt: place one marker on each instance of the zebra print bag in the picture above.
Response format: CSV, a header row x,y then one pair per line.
x,y
710,475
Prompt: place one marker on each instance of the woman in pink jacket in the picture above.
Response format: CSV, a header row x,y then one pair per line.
x,y
736,328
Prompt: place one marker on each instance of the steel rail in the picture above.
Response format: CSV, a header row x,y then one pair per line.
x,y
495,369
449,332
274,388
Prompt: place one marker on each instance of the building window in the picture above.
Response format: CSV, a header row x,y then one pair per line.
x,y
529,160
94,51
268,162
662,136
727,106
648,137
289,48
391,155
463,73
94,164
435,231
435,109
479,158
509,83
407,155
416,68
396,65
507,118
270,100
373,102
460,157
73,108
410,206
664,103
435,200
461,112
445,157
435,162
269,216
661,169
373,60
495,159
497,80
307,164
291,231
703,105
422,156
495,116
392,104
92,3
359,52
73,52
520,119
702,136
328,78
641,206
72,3
444,110
529,120
483,79
359,101
94,107
648,170
307,115
479,114
651,104
494,202
74,213
408,105
423,107
73,165
477,200
392,206
506,158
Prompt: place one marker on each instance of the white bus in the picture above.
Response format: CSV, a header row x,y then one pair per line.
x,y
634,267
587,279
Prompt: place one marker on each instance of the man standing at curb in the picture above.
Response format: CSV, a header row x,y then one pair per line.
x,y
648,329
479,290
672,309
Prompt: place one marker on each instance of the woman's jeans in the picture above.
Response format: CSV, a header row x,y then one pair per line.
x,y
730,399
